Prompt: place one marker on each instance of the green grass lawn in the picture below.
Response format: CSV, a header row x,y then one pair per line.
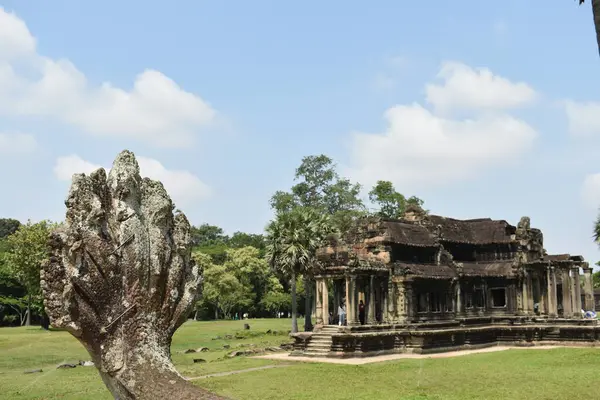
x,y
514,374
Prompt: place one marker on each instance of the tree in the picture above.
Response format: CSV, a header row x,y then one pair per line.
x,y
596,14
319,187
251,270
236,285
207,235
241,239
596,277
121,279
275,298
392,204
27,249
224,290
8,226
292,241
276,302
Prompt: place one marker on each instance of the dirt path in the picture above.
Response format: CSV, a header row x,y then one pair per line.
x,y
391,357
241,371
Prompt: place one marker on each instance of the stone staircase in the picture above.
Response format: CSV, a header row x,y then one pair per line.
x,y
320,342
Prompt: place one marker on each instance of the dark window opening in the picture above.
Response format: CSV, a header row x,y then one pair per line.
x,y
413,254
422,302
449,302
461,252
498,297
475,298
434,302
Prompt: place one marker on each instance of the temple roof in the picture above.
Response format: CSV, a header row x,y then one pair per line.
x,y
425,270
431,271
499,269
408,233
424,233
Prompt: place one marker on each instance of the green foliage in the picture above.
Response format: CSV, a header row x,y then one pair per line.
x,y
208,235
596,277
8,226
241,239
294,237
27,248
392,204
276,301
292,241
24,251
17,305
224,290
212,240
321,188
217,251
238,284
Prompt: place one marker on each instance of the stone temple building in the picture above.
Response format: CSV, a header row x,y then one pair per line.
x,y
430,283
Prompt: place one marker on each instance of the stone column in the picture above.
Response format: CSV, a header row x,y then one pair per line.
x,y
519,295
325,302
319,299
402,301
371,306
353,305
529,293
538,290
567,301
459,309
348,299
576,292
410,301
588,289
391,301
336,297
543,295
385,317
552,294
526,293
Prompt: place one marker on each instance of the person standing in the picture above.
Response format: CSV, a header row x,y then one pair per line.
x,y
361,312
342,315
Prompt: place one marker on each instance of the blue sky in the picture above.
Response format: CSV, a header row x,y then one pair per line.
x,y
480,108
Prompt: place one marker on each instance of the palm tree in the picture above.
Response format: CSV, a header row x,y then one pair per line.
x,y
596,13
292,242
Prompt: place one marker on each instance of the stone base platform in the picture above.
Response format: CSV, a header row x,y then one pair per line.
x,y
407,356
427,338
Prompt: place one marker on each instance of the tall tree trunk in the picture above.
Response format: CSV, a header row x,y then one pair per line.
x,y
28,320
596,12
294,305
308,290
121,279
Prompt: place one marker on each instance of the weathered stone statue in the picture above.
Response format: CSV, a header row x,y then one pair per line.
x,y
121,280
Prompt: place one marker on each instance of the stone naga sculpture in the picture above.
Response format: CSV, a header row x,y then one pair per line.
x,y
121,280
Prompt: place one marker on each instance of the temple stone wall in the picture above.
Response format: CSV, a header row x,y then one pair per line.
x,y
451,339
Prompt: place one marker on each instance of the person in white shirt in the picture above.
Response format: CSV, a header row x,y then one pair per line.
x,y
342,315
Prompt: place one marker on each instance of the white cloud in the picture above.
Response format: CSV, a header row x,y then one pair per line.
x,y
421,148
17,143
584,118
155,110
590,191
467,88
15,39
183,186
66,167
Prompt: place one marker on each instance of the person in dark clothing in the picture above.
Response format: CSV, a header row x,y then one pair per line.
x,y
361,312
